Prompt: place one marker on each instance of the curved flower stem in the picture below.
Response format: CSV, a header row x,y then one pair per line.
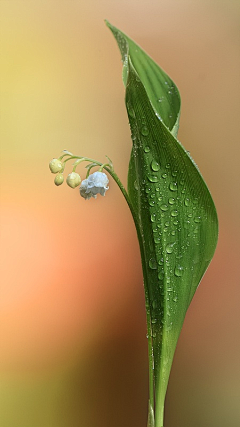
x,y
149,326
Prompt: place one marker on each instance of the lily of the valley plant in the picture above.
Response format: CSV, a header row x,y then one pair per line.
x,y
173,211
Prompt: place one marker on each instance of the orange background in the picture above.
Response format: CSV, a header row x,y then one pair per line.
x,y
73,348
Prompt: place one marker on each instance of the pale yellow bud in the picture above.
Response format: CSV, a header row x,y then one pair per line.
x,y
59,178
73,180
55,165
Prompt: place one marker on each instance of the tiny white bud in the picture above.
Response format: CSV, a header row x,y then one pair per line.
x,y
55,165
59,178
73,180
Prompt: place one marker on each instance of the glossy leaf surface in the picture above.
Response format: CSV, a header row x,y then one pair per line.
x,y
174,213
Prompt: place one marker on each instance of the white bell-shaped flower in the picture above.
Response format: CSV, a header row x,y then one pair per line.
x,y
96,183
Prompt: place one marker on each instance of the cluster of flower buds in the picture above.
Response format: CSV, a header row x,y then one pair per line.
x,y
95,183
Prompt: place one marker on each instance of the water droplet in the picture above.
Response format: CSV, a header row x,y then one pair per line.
x,y
171,201
157,240
131,111
174,173
164,175
187,202
154,304
152,203
152,264
153,217
173,186
147,149
169,248
167,223
152,178
174,213
136,185
144,131
161,275
175,298
155,166
197,219
164,207
154,320
178,271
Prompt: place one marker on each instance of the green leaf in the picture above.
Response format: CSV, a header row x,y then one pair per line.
x,y
174,213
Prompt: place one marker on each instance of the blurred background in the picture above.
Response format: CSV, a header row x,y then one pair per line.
x,y
73,347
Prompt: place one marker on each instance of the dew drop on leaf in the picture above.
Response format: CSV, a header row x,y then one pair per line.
x,y
155,166
154,304
153,217
197,219
169,248
131,111
153,178
174,213
147,149
152,264
144,131
178,271
173,186
161,276
171,201
164,207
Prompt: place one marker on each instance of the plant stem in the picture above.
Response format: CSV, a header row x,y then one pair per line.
x,y
149,325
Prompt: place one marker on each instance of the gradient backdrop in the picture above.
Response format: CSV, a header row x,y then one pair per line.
x,y
73,348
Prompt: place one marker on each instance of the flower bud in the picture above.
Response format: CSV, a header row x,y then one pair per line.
x,y
55,165
59,178
73,180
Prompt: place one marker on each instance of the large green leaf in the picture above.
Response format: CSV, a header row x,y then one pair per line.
x,y
174,213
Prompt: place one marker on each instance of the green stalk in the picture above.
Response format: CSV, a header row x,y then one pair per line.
x,y
148,315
